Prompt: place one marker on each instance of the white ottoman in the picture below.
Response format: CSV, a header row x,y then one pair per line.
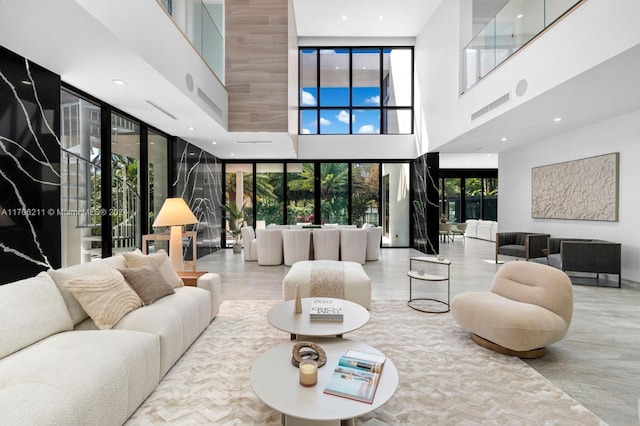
x,y
357,286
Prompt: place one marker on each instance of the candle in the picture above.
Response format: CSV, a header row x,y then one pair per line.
x,y
308,372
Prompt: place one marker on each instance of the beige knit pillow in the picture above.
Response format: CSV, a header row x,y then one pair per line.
x,y
136,259
148,282
106,298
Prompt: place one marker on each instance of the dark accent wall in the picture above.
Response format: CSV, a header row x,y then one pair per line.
x,y
425,208
29,168
197,177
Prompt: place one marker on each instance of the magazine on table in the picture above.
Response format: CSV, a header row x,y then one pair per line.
x,y
356,376
326,310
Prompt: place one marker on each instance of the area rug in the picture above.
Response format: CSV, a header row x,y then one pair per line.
x,y
445,378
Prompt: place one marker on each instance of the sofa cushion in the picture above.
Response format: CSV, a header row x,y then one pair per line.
x,y
30,310
135,259
106,298
62,275
513,250
148,282
79,378
177,319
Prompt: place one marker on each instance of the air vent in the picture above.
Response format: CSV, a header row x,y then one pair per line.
x,y
209,102
254,142
168,114
493,105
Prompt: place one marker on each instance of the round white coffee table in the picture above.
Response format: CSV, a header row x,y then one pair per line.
x,y
275,381
283,317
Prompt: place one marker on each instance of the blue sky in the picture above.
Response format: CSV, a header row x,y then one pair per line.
x,y
336,120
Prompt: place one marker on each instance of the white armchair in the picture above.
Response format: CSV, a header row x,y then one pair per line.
x,y
250,244
353,245
326,244
269,246
374,238
296,244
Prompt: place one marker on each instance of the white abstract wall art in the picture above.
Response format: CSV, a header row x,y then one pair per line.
x,y
584,189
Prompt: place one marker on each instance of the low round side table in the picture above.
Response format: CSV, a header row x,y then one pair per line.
x,y
283,318
275,381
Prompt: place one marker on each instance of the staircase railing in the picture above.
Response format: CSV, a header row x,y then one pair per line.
x,y
81,195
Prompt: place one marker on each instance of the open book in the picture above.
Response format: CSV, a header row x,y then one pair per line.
x,y
356,376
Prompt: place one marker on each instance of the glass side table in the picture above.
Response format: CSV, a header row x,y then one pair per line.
x,y
417,273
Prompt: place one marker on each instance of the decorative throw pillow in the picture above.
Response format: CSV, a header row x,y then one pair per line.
x,y
148,282
136,259
106,298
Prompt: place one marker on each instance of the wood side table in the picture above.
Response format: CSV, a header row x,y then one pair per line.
x,y
190,278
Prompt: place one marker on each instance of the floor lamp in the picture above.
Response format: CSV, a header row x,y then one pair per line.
x,y
175,213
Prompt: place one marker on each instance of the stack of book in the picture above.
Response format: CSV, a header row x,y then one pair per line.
x,y
326,310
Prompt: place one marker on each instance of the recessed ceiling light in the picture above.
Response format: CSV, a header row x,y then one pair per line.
x,y
232,155
118,82
344,17
364,68
557,119
214,143
520,16
503,139
381,17
337,68
191,128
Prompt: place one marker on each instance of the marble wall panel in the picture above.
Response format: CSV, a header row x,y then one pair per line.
x,y
425,207
198,179
29,168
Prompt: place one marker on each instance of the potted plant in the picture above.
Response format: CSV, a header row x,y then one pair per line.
x,y
235,217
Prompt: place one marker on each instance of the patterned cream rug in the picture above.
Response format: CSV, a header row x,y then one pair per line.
x,y
445,378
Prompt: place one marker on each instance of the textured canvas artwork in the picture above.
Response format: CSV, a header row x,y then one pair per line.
x,y
585,189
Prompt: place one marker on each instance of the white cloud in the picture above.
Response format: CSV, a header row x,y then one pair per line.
x,y
324,122
373,100
308,99
306,131
367,128
343,117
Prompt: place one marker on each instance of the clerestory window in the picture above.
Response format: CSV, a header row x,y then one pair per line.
x,y
365,90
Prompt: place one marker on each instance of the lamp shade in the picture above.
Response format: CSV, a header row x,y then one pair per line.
x,y
175,211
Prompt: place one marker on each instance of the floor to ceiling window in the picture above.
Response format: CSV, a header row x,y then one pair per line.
x,y
239,191
365,202
300,193
80,179
356,90
269,194
468,194
157,177
334,193
125,209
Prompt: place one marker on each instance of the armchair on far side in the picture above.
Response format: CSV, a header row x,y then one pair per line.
x,y
524,245
585,255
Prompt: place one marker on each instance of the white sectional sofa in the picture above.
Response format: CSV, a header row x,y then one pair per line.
x,y
481,229
58,368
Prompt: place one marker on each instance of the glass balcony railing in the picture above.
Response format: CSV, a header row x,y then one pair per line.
x,y
202,25
517,23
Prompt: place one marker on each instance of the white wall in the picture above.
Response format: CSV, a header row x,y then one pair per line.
x,y
595,32
620,134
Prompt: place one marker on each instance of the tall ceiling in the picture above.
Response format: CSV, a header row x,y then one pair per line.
x,y
63,37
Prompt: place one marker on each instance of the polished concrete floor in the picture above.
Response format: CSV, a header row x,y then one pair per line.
x,y
598,362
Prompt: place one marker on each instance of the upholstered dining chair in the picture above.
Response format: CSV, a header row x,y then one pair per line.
x,y
269,246
249,243
445,231
326,244
528,307
296,244
353,245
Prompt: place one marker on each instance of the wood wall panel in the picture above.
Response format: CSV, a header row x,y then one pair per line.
x,y
256,37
